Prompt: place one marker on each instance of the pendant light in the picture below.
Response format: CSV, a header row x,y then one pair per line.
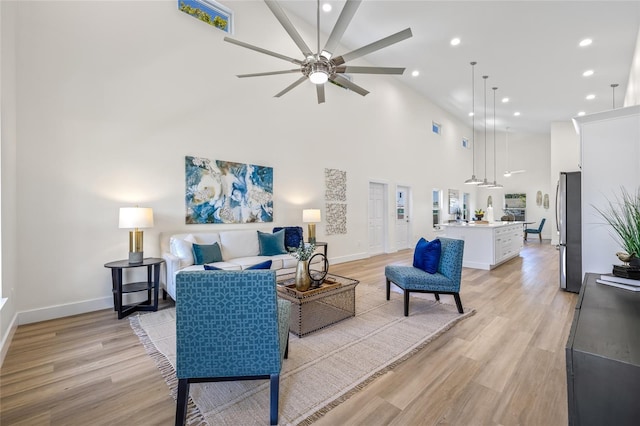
x,y
473,180
494,184
613,90
485,183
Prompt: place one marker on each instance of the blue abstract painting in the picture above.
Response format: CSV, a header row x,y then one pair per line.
x,y
226,192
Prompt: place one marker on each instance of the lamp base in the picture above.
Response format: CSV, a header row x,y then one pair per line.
x,y
135,257
312,233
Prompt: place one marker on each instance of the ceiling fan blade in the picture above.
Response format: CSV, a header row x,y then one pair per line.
x,y
261,50
348,10
348,84
376,45
291,86
369,70
320,92
261,74
288,26
517,171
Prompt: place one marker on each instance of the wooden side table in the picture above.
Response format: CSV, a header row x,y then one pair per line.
x,y
152,285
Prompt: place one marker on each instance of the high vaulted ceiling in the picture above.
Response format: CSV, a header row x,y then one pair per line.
x,y
529,49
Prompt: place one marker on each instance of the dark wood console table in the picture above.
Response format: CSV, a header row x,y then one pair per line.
x,y
603,356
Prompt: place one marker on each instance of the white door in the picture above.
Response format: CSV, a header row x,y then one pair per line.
x,y
377,218
403,208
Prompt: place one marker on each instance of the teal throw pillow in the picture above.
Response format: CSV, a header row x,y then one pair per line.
x,y
263,265
211,268
427,255
206,253
271,244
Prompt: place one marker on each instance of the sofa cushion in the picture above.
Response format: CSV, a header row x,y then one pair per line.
x,y
183,249
271,244
206,253
236,244
427,255
261,265
211,268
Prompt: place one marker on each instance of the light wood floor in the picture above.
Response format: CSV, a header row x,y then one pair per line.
x,y
503,366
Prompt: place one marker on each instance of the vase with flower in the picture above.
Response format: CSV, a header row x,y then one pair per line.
x,y
303,253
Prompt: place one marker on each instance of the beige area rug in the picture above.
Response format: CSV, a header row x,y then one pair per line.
x,y
324,368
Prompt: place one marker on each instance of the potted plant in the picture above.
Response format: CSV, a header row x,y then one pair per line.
x,y
479,214
623,215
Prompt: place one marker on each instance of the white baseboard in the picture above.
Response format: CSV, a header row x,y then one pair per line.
x,y
343,259
8,337
59,311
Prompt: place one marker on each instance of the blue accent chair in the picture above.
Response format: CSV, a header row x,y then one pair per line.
x,y
445,281
537,230
230,325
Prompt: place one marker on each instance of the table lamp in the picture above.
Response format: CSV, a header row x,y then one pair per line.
x,y
136,218
311,216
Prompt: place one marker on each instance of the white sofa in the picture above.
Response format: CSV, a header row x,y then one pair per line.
x,y
240,249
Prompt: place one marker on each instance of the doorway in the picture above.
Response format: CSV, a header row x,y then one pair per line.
x,y
377,218
403,223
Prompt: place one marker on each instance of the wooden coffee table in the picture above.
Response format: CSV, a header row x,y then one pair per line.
x,y
318,308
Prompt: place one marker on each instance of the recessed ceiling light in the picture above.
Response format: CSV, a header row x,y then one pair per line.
x,y
590,97
586,42
505,100
588,73
455,41
581,113
516,114
415,73
326,7
471,114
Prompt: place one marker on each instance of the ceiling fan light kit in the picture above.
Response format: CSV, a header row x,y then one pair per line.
x,y
322,66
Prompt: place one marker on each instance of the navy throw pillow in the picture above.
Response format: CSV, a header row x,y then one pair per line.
x,y
427,255
293,235
206,253
264,265
211,268
271,244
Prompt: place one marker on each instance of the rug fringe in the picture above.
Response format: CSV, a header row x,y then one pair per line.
x,y
194,416
342,398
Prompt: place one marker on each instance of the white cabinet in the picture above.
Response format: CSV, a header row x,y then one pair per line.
x,y
487,246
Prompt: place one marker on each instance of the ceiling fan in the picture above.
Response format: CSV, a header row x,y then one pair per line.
x,y
323,66
508,173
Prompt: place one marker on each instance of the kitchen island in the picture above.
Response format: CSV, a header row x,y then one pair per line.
x,y
486,245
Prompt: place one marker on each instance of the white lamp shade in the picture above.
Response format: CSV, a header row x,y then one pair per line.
x,y
311,215
136,217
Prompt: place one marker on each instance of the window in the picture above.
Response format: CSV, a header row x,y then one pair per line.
x,y
437,195
210,12
436,127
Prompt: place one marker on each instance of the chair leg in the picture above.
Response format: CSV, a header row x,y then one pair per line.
x,y
183,398
406,303
286,349
540,236
456,296
388,289
275,389
437,296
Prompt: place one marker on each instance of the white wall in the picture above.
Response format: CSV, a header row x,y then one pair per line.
x,y
632,95
113,95
565,157
8,216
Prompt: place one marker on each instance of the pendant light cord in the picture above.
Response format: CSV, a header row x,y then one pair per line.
x,y
473,117
485,126
495,179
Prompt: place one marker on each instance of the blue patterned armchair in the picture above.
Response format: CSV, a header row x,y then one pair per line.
x,y
230,325
445,281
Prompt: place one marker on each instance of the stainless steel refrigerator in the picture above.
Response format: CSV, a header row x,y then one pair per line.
x,y
569,222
